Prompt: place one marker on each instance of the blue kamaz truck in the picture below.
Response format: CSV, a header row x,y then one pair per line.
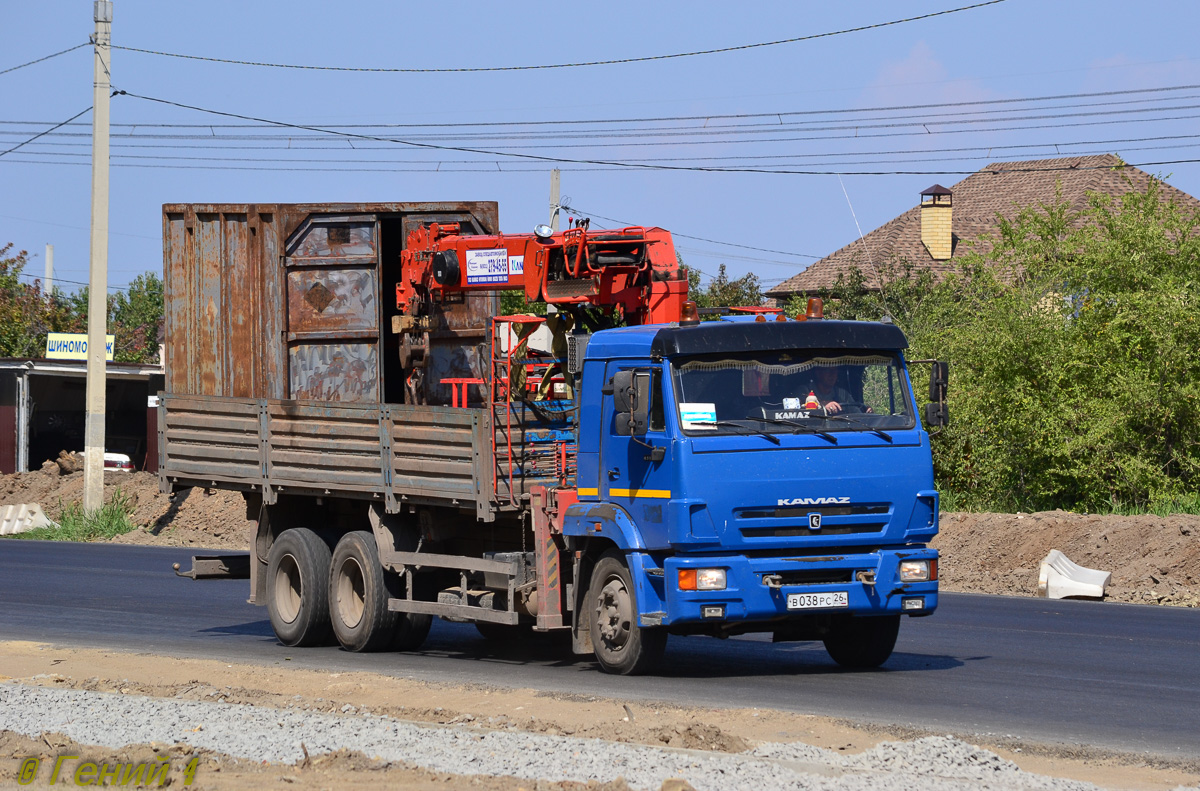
x,y
672,476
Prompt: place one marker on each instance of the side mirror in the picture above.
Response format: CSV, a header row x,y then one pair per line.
x,y
939,379
937,413
631,402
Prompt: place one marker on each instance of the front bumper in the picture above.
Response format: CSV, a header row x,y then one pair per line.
x,y
748,598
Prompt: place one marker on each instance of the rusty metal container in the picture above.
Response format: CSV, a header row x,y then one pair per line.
x,y
291,301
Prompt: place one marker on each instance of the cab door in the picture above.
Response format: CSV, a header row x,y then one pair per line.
x,y
635,470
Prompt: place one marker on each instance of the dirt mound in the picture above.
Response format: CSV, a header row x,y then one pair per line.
x,y
1152,559
193,517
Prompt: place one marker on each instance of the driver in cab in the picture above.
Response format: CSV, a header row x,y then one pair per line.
x,y
829,393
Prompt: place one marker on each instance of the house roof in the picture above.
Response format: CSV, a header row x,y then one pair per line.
x,y
1001,188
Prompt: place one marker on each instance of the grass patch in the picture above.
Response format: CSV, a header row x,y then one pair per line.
x,y
112,519
1162,506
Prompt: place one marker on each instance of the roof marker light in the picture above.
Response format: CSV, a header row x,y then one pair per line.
x,y
689,315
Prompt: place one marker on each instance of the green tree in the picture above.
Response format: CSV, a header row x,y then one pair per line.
x,y
135,316
26,314
721,292
1074,346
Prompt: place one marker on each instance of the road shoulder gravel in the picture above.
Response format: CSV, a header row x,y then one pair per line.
x,y
742,739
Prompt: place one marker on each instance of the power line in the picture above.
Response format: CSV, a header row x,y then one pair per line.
x,y
694,238
733,257
47,57
989,149
48,131
331,134
615,61
496,167
543,158
708,130
77,227
58,280
705,118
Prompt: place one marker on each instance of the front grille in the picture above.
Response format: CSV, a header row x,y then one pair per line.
x,y
802,511
831,530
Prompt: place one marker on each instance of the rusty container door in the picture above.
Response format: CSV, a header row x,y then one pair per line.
x,y
222,306
333,309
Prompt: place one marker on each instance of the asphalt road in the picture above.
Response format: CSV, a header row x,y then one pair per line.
x,y
1114,676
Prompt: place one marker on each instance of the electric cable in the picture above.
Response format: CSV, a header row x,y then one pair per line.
x,y
728,157
686,236
47,57
704,118
332,134
466,69
708,130
543,158
46,132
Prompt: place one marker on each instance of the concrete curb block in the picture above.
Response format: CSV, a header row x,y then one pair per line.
x,y
21,517
1060,578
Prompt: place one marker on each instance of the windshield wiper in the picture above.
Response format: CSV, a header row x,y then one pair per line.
x,y
766,435
807,429
867,426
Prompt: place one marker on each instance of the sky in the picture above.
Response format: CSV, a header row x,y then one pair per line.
x,y
837,131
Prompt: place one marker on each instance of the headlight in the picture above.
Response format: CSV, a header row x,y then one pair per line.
x,y
702,579
915,571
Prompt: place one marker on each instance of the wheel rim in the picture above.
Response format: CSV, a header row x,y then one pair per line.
x,y
289,589
614,614
351,593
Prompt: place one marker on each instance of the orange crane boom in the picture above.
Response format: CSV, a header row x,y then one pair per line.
x,y
632,270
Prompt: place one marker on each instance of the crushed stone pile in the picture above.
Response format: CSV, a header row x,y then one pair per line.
x,y
266,734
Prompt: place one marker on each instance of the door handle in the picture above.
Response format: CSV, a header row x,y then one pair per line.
x,y
614,473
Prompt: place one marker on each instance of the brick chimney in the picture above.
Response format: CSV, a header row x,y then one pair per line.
x,y
937,231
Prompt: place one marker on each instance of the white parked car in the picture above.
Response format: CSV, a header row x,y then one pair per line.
x,y
118,461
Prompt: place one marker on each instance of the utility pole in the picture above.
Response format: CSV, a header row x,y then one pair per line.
x,y
48,280
93,441
554,207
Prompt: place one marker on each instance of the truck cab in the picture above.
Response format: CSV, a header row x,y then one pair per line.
x,y
752,476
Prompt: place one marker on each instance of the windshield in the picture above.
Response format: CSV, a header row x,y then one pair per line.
x,y
785,392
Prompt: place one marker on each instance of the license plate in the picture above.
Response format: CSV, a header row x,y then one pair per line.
x,y
817,601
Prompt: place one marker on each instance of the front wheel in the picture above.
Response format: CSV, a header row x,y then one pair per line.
x,y
621,645
863,642
297,588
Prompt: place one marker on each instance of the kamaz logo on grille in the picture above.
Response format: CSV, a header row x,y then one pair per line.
x,y
815,501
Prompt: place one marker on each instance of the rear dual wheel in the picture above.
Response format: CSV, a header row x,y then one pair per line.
x,y
358,601
297,581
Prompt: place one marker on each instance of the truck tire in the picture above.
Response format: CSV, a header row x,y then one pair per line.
x,y
358,595
298,589
863,642
621,645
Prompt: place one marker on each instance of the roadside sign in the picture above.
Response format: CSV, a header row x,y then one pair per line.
x,y
73,346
